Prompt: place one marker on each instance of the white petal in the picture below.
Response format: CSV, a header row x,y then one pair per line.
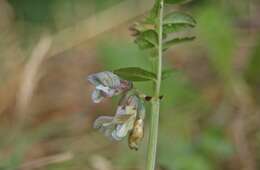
x,y
120,111
93,79
103,121
121,130
105,78
141,110
130,110
97,96
110,79
114,135
107,90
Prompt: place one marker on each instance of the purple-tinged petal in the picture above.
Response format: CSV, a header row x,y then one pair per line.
x,y
123,128
108,84
105,78
129,110
115,136
141,110
106,90
103,121
97,96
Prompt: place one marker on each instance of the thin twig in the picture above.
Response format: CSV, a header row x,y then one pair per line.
x,y
41,162
30,75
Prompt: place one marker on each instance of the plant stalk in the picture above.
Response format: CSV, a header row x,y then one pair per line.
x,y
155,108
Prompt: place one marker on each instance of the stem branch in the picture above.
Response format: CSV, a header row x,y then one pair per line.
x,y
154,120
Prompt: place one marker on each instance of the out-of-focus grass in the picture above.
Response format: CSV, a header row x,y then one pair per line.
x,y
216,33
253,70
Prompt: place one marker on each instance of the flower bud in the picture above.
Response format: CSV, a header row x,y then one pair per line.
x,y
136,135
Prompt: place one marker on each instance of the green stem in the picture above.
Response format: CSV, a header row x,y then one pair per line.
x,y
154,120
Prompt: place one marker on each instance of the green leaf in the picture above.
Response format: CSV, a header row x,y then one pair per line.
x,y
143,44
169,28
179,18
147,39
153,15
175,1
177,21
142,27
135,74
167,73
175,41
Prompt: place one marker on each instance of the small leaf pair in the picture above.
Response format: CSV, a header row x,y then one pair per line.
x,y
146,32
108,84
175,22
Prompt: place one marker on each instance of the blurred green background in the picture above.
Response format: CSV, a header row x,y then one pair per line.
x,y
210,111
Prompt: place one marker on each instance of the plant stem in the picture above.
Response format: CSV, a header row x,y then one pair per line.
x,y
154,119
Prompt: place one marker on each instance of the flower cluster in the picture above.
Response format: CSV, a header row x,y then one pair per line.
x,y
130,113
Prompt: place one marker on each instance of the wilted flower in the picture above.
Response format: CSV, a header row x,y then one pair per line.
x,y
107,84
129,113
136,135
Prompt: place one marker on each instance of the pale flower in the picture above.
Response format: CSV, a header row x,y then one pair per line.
x,y
129,110
107,84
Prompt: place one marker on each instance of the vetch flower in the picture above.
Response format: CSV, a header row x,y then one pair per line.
x,y
128,119
118,126
107,84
